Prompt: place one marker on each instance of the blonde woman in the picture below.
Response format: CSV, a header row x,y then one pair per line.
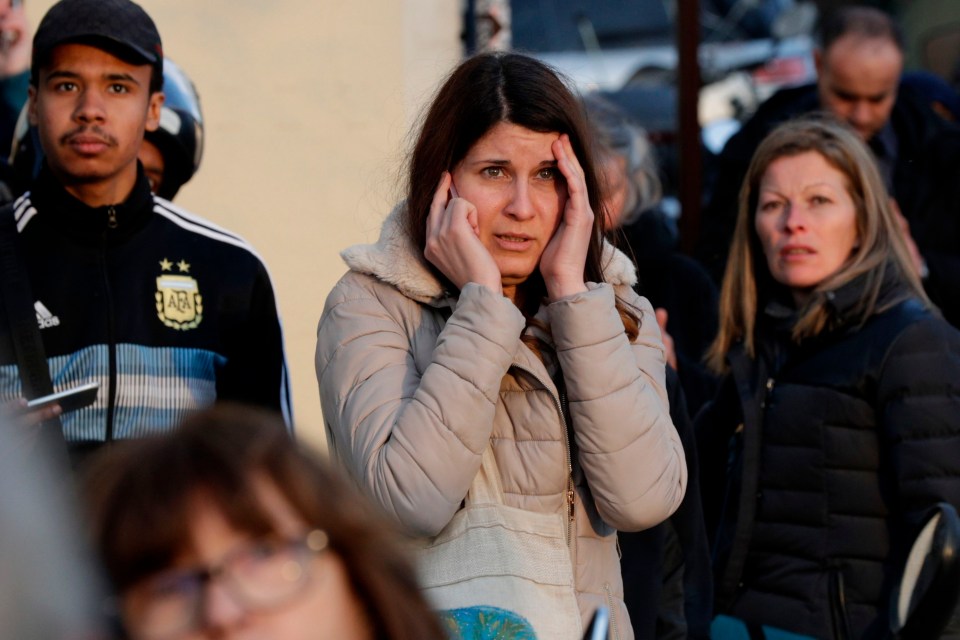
x,y
838,422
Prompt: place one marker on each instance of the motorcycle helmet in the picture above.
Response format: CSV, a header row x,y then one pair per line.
x,y
179,138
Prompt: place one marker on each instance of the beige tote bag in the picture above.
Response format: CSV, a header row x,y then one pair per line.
x,y
499,567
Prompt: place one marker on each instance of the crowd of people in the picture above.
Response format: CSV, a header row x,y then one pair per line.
x,y
536,407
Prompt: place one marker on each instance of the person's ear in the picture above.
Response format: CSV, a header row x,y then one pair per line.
x,y
154,108
32,105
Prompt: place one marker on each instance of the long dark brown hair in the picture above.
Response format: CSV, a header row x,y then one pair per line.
x,y
481,92
141,494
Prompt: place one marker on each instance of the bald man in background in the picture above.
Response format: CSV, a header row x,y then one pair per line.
x,y
859,63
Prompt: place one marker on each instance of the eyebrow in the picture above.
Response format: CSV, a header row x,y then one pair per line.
x,y
822,183
507,163
111,77
845,95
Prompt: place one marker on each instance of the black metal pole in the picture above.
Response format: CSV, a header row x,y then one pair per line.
x,y
469,33
691,179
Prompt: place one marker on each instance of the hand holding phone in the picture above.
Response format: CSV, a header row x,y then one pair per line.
x,y
68,399
453,245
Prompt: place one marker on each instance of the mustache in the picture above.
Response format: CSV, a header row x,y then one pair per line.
x,y
85,130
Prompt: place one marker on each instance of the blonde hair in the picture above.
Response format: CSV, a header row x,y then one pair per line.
x,y
881,244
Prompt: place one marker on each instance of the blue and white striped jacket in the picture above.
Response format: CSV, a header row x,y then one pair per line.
x,y
165,310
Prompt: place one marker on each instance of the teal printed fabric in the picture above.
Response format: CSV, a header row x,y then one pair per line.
x,y
486,623
730,628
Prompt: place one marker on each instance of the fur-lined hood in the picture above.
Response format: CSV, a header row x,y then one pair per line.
x,y
393,259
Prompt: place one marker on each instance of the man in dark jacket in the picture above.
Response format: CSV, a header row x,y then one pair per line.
x,y
859,64
166,311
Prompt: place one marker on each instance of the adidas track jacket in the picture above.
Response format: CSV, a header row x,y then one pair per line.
x,y
165,310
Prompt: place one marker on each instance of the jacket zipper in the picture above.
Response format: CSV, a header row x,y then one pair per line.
x,y
613,612
570,493
838,604
111,341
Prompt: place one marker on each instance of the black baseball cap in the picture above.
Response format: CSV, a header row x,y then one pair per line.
x,y
120,27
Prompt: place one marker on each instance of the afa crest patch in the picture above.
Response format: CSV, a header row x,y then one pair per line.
x,y
179,303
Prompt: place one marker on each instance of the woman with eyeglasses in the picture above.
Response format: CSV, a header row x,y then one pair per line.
x,y
225,529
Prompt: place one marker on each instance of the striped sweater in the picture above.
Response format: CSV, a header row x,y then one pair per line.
x,y
165,310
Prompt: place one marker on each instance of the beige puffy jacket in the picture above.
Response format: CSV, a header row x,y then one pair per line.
x,y
414,384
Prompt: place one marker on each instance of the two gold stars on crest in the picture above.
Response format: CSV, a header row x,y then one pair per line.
x,y
183,265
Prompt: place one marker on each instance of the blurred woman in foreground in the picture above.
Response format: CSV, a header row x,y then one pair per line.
x,y
225,529
838,423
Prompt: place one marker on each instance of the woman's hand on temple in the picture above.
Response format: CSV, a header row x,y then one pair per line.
x,y
453,242
563,261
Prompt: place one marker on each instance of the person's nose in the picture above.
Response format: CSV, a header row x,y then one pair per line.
x,y
90,107
221,612
794,218
520,206
861,114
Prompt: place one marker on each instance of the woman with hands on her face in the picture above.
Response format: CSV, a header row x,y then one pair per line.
x,y
547,224
491,313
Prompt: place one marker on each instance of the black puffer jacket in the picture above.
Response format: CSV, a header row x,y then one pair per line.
x,y
818,459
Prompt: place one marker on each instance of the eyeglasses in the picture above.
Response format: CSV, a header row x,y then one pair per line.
x,y
258,577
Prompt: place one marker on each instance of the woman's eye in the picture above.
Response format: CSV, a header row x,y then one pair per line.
x,y
263,551
175,584
770,205
547,173
819,200
493,172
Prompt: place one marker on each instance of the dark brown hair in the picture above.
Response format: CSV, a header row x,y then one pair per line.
x,y
481,92
141,493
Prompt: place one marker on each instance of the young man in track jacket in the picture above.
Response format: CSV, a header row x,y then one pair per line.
x,y
166,311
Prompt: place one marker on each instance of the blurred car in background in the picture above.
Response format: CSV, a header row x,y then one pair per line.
x,y
625,49
606,45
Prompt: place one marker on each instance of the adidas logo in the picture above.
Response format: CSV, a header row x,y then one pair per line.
x,y
44,318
